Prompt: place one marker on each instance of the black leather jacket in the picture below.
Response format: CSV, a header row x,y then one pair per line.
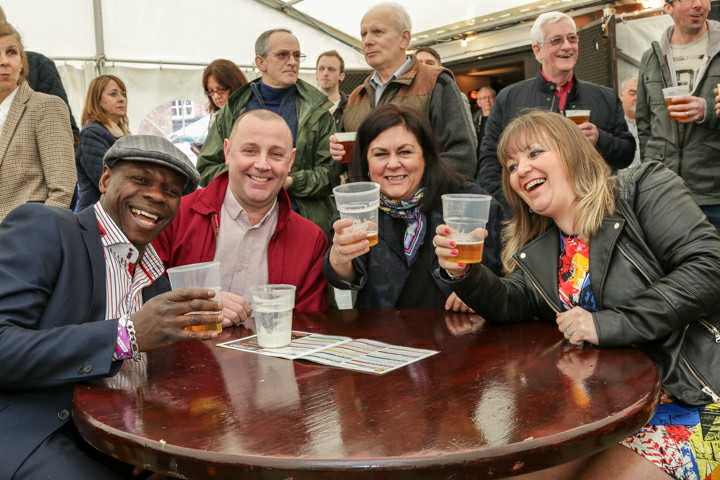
x,y
642,301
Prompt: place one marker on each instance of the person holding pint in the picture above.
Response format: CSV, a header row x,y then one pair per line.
x,y
396,148
614,262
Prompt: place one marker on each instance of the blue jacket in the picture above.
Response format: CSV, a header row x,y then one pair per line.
x,y
95,140
53,332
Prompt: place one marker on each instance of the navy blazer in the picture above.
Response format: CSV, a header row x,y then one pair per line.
x,y
53,332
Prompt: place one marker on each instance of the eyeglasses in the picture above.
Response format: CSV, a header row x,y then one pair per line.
x,y
219,90
284,56
557,41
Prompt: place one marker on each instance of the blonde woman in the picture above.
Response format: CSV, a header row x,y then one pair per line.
x,y
104,120
614,262
36,144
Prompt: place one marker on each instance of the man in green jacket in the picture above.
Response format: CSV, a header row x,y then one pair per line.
x,y
305,110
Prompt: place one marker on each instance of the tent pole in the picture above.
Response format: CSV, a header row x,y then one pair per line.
x,y
99,37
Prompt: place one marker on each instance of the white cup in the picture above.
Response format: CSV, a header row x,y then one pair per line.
x,y
272,308
207,275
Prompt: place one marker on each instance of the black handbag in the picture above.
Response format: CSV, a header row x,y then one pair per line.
x,y
688,360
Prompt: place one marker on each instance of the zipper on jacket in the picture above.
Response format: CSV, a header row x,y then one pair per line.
x,y
636,264
539,290
711,328
705,387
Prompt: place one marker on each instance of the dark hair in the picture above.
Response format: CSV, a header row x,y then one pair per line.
x,y
431,51
438,177
332,53
227,74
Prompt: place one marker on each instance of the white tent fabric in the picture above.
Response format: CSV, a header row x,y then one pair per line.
x,y
160,47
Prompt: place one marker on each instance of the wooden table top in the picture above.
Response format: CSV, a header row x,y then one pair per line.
x,y
497,401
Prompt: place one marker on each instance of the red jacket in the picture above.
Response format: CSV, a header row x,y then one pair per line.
x,y
295,252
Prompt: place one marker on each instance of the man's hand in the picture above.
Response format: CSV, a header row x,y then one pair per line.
x,y
590,131
235,309
336,149
161,320
689,109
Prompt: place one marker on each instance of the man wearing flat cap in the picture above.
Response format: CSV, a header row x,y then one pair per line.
x,y
80,294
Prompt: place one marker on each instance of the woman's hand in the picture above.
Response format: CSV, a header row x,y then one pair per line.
x,y
346,247
578,326
454,304
235,309
336,149
445,250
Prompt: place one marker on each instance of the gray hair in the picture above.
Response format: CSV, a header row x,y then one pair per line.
x,y
537,33
489,89
402,18
632,76
262,44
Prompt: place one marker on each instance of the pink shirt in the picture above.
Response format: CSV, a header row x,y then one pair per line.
x,y
562,90
242,248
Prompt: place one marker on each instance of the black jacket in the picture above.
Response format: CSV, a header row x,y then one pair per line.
x,y
633,308
615,143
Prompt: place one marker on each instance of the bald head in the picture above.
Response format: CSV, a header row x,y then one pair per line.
x,y
265,116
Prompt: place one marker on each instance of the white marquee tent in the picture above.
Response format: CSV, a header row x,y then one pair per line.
x,y
159,47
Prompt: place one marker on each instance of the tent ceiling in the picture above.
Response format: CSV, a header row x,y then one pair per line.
x,y
195,33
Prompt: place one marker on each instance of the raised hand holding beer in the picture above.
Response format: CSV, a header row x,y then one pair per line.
x,y
462,239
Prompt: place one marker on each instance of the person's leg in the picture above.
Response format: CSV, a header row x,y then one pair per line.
x,y
60,458
621,463
712,212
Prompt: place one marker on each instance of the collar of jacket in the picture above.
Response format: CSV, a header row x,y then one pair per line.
x,y
404,79
549,87
539,260
309,95
208,201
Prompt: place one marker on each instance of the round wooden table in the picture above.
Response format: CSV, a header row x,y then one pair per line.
x,y
497,401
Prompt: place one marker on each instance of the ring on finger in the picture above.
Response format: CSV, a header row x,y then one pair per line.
x,y
569,332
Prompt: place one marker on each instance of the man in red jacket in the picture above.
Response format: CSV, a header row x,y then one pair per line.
x,y
244,219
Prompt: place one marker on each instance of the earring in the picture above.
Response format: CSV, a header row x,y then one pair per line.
x,y
531,210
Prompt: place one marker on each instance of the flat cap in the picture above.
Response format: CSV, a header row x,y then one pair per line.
x,y
153,149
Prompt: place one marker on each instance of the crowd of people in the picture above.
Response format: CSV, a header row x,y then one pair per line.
x,y
628,196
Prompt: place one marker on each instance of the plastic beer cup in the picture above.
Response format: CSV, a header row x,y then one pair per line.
x,y
466,214
206,275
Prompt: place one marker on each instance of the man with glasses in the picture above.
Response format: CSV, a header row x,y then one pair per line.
x,y
556,87
304,109
684,136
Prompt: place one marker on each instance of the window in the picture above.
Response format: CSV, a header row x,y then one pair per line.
x,y
182,109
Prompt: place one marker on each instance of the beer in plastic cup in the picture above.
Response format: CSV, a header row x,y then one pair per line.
x,y
578,116
347,140
272,308
466,214
670,93
360,201
205,275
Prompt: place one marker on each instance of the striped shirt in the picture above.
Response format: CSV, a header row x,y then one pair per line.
x,y
124,280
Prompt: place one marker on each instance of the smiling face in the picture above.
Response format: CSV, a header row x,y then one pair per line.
x,y
396,162
141,198
559,60
689,18
383,42
10,64
538,176
259,156
280,67
113,101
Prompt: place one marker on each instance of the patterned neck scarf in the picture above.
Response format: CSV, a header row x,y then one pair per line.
x,y
409,211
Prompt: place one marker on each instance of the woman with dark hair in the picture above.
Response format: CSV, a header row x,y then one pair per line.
x,y
104,120
220,79
615,262
36,144
396,148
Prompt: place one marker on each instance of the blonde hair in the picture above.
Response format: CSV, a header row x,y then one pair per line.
x,y
8,30
587,171
93,112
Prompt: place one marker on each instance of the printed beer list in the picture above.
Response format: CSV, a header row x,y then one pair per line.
x,y
353,354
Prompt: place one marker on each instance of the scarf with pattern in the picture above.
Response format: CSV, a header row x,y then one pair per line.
x,y
409,211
